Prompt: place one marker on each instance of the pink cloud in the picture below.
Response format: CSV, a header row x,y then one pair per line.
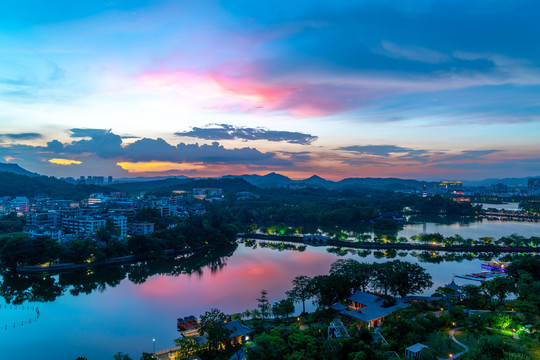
x,y
233,89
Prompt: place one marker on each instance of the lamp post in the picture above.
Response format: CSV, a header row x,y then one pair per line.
x,y
154,341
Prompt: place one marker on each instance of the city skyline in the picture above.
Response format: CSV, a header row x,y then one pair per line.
x,y
371,89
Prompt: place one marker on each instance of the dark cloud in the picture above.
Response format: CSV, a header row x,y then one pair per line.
x,y
231,132
379,150
158,149
22,136
103,143
84,132
108,145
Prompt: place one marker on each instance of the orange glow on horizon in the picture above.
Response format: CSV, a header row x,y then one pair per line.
x,y
157,166
64,162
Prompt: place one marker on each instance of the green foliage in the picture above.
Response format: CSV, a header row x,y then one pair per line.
x,y
492,347
329,289
301,290
10,223
22,250
440,205
14,185
212,324
293,343
401,278
359,275
499,287
121,356
188,347
283,308
264,304
147,356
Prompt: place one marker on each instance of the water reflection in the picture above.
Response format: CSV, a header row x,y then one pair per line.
x,y
16,288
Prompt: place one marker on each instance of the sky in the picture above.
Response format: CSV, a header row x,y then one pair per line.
x,y
398,88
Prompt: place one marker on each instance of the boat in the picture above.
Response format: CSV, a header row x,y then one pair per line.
x,y
494,265
481,276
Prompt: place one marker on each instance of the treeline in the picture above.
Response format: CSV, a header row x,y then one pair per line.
x,y
513,240
331,207
10,223
21,185
395,278
215,227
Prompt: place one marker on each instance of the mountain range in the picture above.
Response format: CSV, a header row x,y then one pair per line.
x,y
273,180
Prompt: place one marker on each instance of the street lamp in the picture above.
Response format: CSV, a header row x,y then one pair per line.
x,y
154,341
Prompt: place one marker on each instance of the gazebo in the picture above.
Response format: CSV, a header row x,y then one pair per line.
x,y
413,351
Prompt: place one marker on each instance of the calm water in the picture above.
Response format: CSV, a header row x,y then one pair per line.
x,y
113,313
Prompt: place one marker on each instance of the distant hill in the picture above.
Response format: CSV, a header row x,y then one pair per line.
x,y
150,186
150,178
15,169
231,184
265,181
12,184
318,181
228,185
383,183
273,180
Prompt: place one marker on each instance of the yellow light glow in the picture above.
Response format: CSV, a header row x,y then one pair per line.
x,y
156,166
64,162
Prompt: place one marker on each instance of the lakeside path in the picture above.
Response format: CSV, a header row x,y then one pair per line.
x,y
451,333
371,245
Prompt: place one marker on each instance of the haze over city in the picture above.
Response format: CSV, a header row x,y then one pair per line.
x,y
207,88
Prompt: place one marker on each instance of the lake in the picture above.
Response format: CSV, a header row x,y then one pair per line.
x,y
97,313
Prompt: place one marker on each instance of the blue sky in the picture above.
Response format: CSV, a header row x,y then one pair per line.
x,y
416,89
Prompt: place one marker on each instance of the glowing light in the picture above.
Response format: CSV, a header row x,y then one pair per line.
x,y
64,162
157,166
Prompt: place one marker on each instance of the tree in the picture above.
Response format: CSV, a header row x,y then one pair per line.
x,y
402,278
474,298
264,304
301,290
283,307
329,289
358,274
500,287
212,323
147,356
188,347
121,356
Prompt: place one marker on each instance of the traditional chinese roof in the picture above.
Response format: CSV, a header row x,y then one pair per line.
x,y
453,286
365,298
237,328
338,307
368,313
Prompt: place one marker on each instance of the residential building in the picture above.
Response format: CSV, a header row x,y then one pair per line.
x,y
140,228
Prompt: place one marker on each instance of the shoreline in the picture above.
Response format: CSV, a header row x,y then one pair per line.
x,y
122,260
364,245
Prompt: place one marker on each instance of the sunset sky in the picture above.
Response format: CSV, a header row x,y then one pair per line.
x,y
412,89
